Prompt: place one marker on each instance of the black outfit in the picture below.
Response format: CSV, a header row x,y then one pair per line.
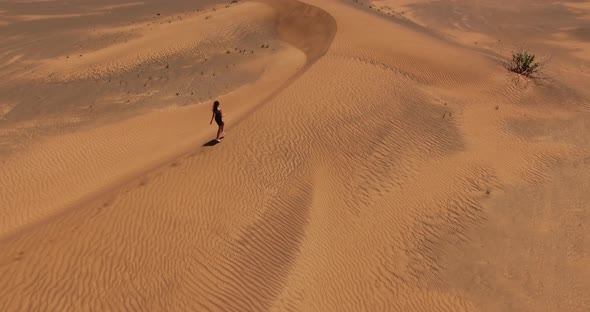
x,y
218,118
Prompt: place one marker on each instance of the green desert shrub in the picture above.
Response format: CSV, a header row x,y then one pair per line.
x,y
524,63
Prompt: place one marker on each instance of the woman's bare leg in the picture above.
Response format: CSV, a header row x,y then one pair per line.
x,y
219,132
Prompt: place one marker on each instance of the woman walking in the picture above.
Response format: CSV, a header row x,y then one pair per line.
x,y
218,116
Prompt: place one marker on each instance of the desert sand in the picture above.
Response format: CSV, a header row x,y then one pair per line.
x,y
378,156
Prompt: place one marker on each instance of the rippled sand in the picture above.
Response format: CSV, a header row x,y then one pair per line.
x,y
378,156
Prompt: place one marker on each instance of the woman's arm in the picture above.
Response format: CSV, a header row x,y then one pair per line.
x,y
211,121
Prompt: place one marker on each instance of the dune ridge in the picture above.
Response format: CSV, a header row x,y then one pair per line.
x,y
363,172
277,74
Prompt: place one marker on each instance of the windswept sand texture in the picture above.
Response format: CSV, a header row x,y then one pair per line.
x,y
378,156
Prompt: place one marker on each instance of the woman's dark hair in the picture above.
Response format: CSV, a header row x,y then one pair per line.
x,y
215,106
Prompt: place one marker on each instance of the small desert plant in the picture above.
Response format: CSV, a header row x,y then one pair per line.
x,y
525,63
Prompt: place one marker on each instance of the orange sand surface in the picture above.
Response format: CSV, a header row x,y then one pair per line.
x,y
378,156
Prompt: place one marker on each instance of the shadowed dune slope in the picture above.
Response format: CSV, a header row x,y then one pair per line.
x,y
306,27
146,141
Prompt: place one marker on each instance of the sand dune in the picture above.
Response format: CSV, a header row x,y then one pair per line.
x,y
373,162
